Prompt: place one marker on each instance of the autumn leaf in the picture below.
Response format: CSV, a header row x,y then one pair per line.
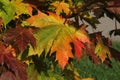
x,y
78,48
10,76
115,10
56,37
15,68
102,51
20,37
7,11
61,6
91,52
42,20
20,7
115,6
87,79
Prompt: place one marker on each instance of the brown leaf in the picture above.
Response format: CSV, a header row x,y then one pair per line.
x,y
15,68
20,37
115,10
7,76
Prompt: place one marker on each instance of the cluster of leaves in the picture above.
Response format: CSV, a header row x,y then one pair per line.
x,y
30,29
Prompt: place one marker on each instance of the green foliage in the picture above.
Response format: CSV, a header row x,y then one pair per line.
x,y
100,72
7,11
116,45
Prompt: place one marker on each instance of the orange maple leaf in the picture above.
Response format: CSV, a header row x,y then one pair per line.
x,y
56,37
61,6
63,50
78,48
34,20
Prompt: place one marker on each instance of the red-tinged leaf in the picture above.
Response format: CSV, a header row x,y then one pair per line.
x,y
63,52
91,53
80,38
20,36
116,2
7,76
1,21
8,59
115,10
55,37
78,48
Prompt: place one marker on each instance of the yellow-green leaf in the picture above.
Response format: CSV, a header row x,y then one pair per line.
x,y
102,51
42,20
20,7
7,11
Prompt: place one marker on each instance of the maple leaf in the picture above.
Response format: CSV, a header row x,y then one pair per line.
x,y
42,20
55,36
36,20
7,11
78,48
15,68
102,51
61,6
20,37
20,7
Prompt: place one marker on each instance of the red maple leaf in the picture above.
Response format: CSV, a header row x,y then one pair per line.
x,y
20,37
78,48
15,69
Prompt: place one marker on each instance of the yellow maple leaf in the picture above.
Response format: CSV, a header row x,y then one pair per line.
x,y
61,6
102,51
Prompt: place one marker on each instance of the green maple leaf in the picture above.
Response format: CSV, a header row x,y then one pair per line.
x,y
20,7
7,11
